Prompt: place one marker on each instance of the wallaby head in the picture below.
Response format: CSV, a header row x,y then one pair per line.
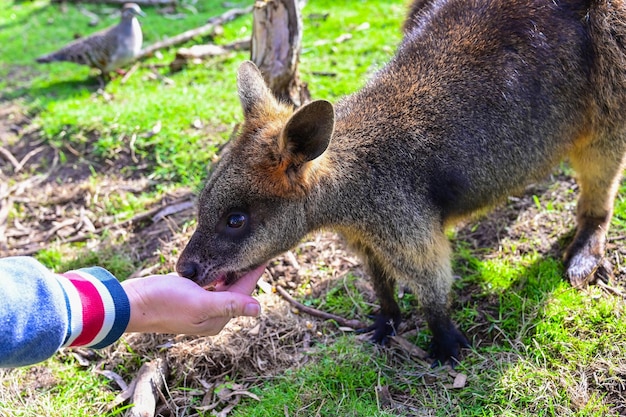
x,y
253,205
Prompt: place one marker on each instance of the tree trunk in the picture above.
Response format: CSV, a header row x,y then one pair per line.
x,y
276,43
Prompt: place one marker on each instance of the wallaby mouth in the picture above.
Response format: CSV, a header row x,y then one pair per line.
x,y
222,281
231,277
226,279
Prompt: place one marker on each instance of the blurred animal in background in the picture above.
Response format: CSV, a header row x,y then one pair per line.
x,y
108,49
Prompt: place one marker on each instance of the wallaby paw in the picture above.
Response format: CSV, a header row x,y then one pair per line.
x,y
446,348
583,270
383,327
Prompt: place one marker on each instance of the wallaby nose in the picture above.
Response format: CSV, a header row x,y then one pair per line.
x,y
187,269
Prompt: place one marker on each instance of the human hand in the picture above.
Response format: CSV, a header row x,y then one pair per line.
x,y
172,304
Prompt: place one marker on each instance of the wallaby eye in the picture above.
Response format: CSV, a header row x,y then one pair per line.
x,y
235,224
236,221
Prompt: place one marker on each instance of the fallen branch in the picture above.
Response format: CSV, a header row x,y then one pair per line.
x,y
150,380
353,324
197,53
121,2
190,34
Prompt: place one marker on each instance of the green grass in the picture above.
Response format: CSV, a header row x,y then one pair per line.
x,y
541,348
57,387
327,388
61,94
551,343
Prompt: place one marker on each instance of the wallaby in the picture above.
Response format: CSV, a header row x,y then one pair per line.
x,y
481,98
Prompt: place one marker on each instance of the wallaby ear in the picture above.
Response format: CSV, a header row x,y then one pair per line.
x,y
251,87
309,130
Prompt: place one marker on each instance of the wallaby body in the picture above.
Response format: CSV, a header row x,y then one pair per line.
x,y
481,98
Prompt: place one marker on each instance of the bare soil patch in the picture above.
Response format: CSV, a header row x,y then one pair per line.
x,y
44,201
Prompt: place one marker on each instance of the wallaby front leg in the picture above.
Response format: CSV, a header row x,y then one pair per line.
x,y
447,339
386,321
432,290
432,285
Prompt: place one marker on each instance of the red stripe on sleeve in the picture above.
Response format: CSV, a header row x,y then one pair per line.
x,y
93,309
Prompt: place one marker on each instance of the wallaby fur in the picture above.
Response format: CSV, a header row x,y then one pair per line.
x,y
481,98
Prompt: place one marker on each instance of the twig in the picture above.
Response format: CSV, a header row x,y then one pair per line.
x,y
123,396
113,377
610,289
353,324
199,31
324,73
57,227
84,236
5,208
135,219
27,157
172,209
129,73
409,347
9,157
17,166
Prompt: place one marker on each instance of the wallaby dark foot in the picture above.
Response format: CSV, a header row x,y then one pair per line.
x,y
584,259
383,327
446,345
583,270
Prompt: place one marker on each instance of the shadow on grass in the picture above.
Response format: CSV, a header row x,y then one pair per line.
x,y
65,89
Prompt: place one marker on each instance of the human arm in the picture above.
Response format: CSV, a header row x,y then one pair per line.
x,y
41,311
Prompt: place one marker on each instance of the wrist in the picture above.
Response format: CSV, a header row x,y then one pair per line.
x,y
140,320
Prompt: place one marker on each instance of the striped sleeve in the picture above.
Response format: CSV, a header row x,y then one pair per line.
x,y
98,307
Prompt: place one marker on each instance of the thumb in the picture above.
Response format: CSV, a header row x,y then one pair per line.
x,y
232,304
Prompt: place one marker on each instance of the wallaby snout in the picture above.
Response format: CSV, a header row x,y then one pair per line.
x,y
188,269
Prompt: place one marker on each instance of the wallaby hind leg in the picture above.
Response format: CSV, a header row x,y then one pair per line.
x,y
599,167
